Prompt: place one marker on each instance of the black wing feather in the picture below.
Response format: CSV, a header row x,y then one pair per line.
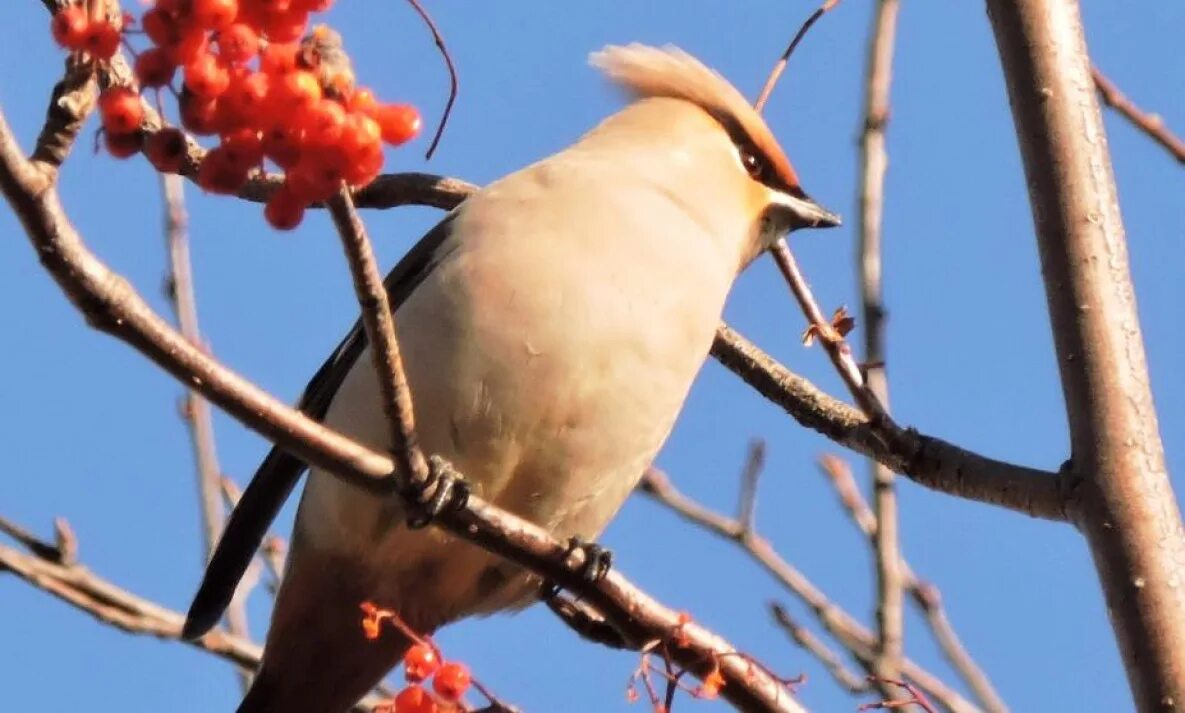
x,y
278,474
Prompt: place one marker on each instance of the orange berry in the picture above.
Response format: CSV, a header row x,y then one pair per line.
x,y
312,5
120,110
201,115
282,144
360,135
278,58
102,39
166,150
237,44
399,123
205,77
296,91
186,45
160,27
244,147
415,699
214,14
220,174
154,68
362,101
122,145
364,168
452,680
420,662
70,27
246,99
323,122
284,210
287,26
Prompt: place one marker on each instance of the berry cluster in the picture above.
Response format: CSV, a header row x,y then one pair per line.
x,y
450,679
253,78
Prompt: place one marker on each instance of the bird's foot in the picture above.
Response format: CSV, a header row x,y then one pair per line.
x,y
586,621
597,563
444,489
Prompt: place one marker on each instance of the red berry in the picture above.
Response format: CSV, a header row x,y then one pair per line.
x,y
166,150
284,210
245,101
286,26
160,27
282,144
452,680
278,58
362,101
312,5
200,115
399,123
323,122
244,147
414,699
122,145
296,91
102,40
237,44
214,14
362,169
187,45
120,110
154,68
420,662
318,175
360,136
219,173
205,77
70,27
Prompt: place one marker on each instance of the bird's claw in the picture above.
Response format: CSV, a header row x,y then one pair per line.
x,y
444,489
597,560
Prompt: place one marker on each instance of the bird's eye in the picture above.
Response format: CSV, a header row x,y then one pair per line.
x,y
753,164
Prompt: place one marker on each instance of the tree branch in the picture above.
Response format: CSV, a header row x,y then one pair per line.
x,y
874,163
1151,124
846,629
1126,506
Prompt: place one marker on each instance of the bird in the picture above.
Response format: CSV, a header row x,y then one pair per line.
x,y
551,327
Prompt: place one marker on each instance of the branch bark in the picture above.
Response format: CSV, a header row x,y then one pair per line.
x,y
874,163
1126,508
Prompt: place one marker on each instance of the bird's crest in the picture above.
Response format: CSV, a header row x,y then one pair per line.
x,y
645,71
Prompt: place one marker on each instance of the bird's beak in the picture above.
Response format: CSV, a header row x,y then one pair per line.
x,y
804,212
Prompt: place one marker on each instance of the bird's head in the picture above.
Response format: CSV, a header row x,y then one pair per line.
x,y
723,155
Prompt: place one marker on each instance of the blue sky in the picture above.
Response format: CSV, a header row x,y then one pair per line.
x,y
90,429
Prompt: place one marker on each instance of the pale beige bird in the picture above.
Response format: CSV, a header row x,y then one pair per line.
x,y
551,327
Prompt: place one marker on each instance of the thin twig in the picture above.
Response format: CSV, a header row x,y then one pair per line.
x,y
1151,124
924,594
195,409
780,65
747,501
818,648
379,322
873,165
852,634
452,75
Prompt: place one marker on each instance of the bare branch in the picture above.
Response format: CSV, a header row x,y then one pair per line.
x,y
111,305
379,322
452,75
874,163
747,501
114,606
853,635
1126,506
924,594
818,648
1151,124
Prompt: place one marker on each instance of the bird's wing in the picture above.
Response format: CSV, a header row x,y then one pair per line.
x,y
277,475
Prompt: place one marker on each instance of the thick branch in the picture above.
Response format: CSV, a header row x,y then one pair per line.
x,y
1126,506
111,305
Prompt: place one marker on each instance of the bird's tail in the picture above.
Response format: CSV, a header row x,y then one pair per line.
x,y
318,658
